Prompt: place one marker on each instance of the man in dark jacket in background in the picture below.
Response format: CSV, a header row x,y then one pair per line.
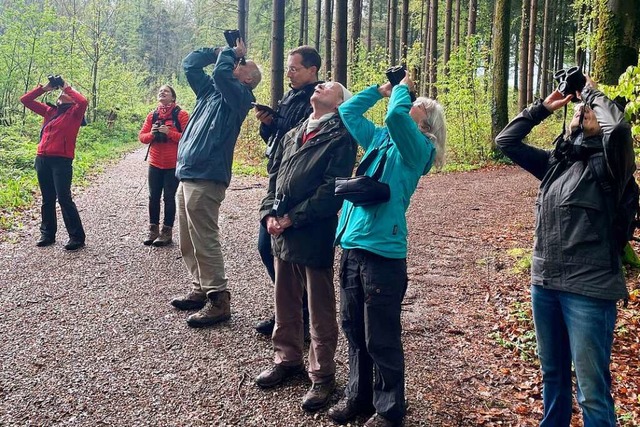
x,y
576,269
303,64
205,155
300,212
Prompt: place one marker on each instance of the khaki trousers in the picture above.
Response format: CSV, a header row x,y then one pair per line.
x,y
288,334
198,209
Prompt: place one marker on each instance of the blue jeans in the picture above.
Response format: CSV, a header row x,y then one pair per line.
x,y
579,329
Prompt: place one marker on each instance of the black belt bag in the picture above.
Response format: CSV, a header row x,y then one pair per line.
x,y
363,190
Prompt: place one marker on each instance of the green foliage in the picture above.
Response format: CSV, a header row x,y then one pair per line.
x,y
628,88
518,333
464,94
522,260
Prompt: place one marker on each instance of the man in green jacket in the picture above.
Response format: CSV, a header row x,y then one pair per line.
x,y
205,155
373,267
300,213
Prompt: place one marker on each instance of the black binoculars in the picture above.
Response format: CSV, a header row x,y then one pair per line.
x,y
157,135
570,81
231,36
56,81
395,75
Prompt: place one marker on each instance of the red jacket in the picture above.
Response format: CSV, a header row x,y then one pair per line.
x,y
59,131
163,155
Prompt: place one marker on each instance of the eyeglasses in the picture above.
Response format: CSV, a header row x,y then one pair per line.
x,y
294,70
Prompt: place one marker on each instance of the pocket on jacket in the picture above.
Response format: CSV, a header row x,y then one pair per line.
x,y
582,235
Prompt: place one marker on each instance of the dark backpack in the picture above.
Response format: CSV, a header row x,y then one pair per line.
x,y
174,118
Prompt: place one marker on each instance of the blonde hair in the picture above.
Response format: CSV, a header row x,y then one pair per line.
x,y
434,127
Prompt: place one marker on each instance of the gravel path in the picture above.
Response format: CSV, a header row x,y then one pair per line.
x,y
89,339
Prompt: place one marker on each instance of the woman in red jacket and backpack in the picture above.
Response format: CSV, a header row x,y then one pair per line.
x,y
54,159
161,131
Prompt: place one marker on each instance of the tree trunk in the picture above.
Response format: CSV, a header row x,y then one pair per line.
x,y
318,24
369,25
456,26
531,49
544,56
393,24
473,17
501,36
242,18
277,52
404,31
433,49
356,27
447,34
617,40
340,74
424,76
524,57
303,34
516,61
328,23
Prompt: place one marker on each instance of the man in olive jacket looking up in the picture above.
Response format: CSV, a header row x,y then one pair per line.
x,y
300,213
205,155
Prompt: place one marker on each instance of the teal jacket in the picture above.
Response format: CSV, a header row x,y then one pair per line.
x,y
206,147
382,228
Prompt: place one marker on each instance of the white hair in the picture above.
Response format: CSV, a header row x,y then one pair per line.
x,y
434,127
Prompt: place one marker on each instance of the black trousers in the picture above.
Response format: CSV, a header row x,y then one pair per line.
x,y
54,177
162,180
371,290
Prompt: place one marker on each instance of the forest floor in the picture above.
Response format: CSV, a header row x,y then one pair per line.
x,y
89,338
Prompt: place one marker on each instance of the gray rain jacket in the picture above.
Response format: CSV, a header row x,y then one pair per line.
x,y
574,250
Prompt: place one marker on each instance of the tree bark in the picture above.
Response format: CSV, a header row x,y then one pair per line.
x,y
544,55
524,57
473,17
318,24
501,36
433,49
277,52
356,27
404,31
531,49
392,25
456,26
369,25
447,34
328,23
340,74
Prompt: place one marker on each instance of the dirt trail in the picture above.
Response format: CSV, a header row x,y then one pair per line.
x,y
89,339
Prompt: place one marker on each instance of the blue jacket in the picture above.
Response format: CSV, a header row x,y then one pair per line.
x,y
382,228
222,103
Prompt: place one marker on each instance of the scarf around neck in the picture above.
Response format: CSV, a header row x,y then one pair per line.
x,y
314,124
164,111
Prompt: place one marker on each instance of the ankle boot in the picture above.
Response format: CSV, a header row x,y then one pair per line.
x,y
154,232
217,309
165,236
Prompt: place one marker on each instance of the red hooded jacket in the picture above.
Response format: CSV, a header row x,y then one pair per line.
x,y
60,125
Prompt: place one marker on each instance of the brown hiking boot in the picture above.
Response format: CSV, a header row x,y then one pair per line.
x,y
347,410
154,232
194,300
277,374
216,310
318,395
165,236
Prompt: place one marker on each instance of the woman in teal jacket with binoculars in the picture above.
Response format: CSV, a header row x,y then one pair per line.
x,y
373,269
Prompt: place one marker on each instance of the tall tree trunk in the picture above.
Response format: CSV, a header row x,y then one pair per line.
x,y
617,40
447,34
524,57
328,23
356,27
424,77
531,49
544,56
501,36
473,17
318,24
340,74
277,52
303,35
242,18
433,49
456,26
369,25
393,25
404,31
516,62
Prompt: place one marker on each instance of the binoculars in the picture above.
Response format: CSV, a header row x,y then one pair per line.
x,y
570,81
56,81
395,75
231,36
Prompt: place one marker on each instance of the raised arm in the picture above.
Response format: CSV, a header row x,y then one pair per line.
x,y
194,65
29,101
352,114
236,95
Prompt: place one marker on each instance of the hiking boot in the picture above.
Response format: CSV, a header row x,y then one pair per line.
x,y
216,310
277,374
45,241
378,420
74,244
165,236
194,300
318,395
154,232
347,410
265,327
